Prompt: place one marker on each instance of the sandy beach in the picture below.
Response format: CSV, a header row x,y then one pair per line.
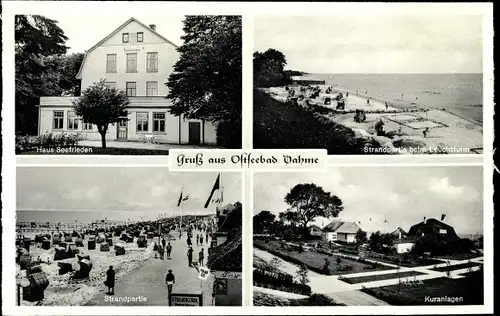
x,y
64,291
409,128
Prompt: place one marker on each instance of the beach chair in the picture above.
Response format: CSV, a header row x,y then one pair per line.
x,y
119,250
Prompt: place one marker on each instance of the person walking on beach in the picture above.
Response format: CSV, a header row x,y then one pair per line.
x,y
386,106
190,256
426,130
197,239
169,250
170,281
110,281
201,256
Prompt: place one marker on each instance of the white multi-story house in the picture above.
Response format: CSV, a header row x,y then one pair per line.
x,y
138,60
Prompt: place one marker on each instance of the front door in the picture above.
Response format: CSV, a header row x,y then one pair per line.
x,y
122,129
194,133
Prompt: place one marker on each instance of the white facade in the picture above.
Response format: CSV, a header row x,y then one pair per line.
x,y
334,236
138,60
404,247
330,236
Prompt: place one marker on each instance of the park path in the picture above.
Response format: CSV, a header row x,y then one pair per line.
x,y
148,281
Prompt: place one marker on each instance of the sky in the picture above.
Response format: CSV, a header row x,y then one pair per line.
x,y
434,43
118,192
401,195
98,27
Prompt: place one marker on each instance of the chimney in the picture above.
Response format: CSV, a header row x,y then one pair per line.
x,y
152,26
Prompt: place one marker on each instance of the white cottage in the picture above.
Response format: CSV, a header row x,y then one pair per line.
x,y
137,59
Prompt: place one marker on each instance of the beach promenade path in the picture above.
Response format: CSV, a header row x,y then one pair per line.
x,y
148,281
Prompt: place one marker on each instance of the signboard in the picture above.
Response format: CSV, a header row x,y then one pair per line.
x,y
176,299
227,275
220,286
203,273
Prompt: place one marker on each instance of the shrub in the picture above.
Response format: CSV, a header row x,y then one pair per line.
x,y
344,268
47,141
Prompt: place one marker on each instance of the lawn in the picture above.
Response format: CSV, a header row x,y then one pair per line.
x,y
86,150
282,125
467,291
457,266
315,261
410,261
372,278
459,256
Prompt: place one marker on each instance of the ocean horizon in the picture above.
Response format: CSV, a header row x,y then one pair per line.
x,y
459,93
86,217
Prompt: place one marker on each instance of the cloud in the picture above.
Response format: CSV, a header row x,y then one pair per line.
x,y
443,188
402,196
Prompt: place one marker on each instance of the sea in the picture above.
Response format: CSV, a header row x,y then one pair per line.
x,y
461,94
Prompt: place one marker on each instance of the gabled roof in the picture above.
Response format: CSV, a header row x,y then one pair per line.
x,y
315,227
341,227
398,230
78,76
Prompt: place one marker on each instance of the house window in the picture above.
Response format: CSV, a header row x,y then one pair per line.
x,y
159,121
58,120
132,62
87,126
111,84
142,122
131,89
140,37
442,231
111,63
125,37
151,88
152,62
72,120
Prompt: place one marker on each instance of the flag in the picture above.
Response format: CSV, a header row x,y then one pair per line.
x,y
443,216
181,199
216,187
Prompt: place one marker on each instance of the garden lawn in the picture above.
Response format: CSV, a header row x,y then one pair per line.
x,y
372,278
468,290
459,256
103,151
457,266
315,261
411,262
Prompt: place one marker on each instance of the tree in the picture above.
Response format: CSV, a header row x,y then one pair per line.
x,y
307,201
36,39
361,237
206,82
262,221
269,68
102,105
302,274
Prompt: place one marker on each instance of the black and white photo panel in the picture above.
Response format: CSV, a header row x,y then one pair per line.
x,y
130,237
358,236
124,85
